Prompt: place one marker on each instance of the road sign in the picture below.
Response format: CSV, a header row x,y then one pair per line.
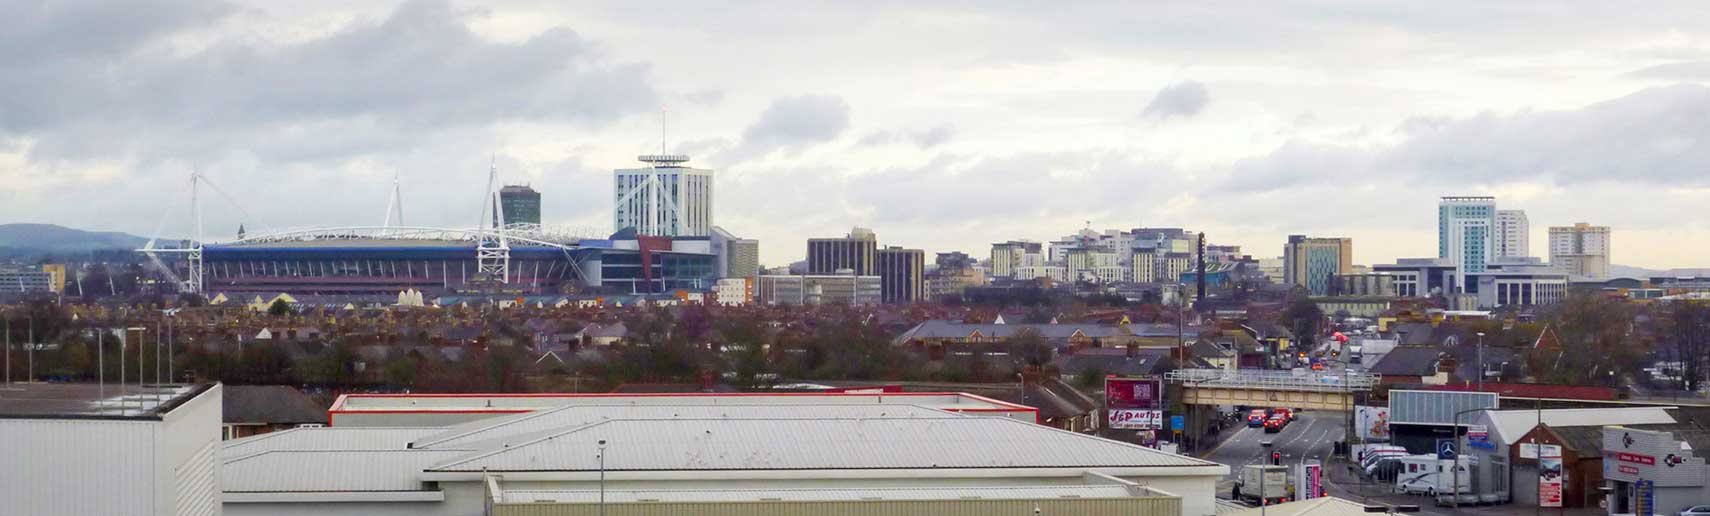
x,y
1177,423
1445,448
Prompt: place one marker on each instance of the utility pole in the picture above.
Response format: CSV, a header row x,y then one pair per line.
x,y
1481,361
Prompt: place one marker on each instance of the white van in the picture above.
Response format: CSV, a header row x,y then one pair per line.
x,y
1428,475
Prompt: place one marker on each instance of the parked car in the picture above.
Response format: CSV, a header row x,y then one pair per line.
x,y
1696,510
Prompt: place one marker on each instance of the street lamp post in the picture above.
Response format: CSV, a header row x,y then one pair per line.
x,y
602,477
1455,462
1481,361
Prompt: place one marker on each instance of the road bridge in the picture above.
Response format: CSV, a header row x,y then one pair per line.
x,y
1264,388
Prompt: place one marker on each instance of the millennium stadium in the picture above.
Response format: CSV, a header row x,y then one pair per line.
x,y
501,257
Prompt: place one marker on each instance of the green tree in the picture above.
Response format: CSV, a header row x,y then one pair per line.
x,y
279,308
1305,320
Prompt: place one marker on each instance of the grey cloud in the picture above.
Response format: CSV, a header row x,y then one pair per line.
x,y
924,138
420,69
792,123
1658,136
1184,99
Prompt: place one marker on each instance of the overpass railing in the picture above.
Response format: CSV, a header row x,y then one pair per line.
x,y
1274,380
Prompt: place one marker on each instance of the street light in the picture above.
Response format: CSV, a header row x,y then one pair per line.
x,y
1481,361
602,477
1455,463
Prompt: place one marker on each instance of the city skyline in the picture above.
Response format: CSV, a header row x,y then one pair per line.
x,y
979,140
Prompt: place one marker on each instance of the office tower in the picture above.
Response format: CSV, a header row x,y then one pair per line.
x,y
520,204
1314,262
1513,232
1007,257
1144,265
857,252
664,199
1581,249
1465,234
902,274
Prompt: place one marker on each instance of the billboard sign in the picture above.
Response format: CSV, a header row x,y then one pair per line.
x,y
1550,475
1136,419
1133,393
1373,423
1478,436
1308,481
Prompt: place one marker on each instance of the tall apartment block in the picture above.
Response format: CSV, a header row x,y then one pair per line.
x,y
1581,249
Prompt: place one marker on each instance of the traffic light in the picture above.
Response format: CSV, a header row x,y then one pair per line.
x,y
1276,458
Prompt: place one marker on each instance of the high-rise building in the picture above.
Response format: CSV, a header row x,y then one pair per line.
x,y
520,204
902,274
664,199
1466,235
1315,262
1144,265
1581,249
1513,234
1007,257
1175,265
857,252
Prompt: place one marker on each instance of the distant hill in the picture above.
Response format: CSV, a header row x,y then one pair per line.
x,y
1628,271
49,238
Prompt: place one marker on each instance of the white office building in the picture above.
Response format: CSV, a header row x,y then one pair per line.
x,y
665,198
1513,232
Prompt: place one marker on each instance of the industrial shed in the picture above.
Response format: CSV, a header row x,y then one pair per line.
x,y
450,409
705,458
78,449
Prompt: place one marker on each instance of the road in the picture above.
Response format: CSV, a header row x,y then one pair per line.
x,y
1310,436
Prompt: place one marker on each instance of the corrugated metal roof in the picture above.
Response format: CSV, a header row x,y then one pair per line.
x,y
1315,507
1509,425
761,444
1436,407
326,438
525,426
330,470
793,495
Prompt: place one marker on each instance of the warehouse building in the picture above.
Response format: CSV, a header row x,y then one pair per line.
x,y
145,450
703,457
429,410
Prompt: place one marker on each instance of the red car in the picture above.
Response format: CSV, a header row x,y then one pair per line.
x,y
1285,413
1275,424
1256,418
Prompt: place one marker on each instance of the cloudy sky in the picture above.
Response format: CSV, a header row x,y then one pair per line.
x,y
941,125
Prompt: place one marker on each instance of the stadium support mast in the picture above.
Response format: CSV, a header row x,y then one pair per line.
x,y
493,250
395,203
